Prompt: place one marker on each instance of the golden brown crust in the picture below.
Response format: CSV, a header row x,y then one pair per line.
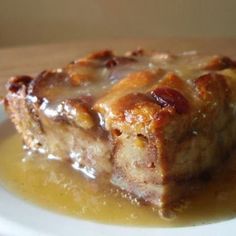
x,y
220,63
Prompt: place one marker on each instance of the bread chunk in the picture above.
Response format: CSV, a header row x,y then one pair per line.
x,y
153,122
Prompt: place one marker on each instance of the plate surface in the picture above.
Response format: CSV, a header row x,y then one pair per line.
x,y
18,218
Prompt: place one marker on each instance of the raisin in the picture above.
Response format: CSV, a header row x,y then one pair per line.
x,y
165,96
114,61
15,83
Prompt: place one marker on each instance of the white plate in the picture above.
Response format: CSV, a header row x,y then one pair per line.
x,y
20,218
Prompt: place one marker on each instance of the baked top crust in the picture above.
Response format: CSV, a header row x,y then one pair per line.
x,y
150,86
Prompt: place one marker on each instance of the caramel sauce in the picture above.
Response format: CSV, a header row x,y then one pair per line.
x,y
77,80
57,186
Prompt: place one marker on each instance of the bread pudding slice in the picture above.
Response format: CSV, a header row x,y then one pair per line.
x,y
154,123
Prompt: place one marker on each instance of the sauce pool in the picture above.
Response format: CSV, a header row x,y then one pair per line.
x,y
55,185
